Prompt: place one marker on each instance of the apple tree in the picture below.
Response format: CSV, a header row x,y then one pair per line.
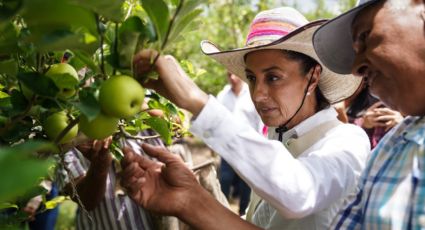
x,y
66,76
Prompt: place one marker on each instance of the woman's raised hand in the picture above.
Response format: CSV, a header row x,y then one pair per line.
x,y
172,83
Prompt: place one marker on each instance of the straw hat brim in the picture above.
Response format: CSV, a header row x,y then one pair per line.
x,y
335,87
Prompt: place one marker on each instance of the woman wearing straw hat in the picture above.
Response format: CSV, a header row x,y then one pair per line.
x,y
301,175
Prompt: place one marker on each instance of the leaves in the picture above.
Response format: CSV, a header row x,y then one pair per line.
x,y
9,67
26,170
8,39
88,105
53,203
39,84
159,14
161,126
9,8
110,9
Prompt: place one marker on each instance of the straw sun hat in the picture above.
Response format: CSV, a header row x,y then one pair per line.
x,y
284,28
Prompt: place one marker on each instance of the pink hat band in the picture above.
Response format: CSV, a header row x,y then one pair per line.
x,y
271,25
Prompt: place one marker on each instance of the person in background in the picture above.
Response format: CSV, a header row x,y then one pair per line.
x,y
236,98
368,112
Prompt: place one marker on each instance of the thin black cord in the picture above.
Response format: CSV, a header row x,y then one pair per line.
x,y
282,128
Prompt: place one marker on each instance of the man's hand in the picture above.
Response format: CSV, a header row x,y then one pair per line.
x,y
173,83
97,151
164,187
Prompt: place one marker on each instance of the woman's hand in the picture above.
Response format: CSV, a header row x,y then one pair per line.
x,y
173,83
165,187
377,116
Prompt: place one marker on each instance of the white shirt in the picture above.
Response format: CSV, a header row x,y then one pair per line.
x,y
297,188
241,105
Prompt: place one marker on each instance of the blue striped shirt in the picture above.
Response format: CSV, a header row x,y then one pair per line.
x,y
115,212
391,193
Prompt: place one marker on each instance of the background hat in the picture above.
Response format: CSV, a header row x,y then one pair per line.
x,y
333,41
284,28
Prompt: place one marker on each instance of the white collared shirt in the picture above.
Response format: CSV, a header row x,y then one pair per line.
x,y
296,187
241,105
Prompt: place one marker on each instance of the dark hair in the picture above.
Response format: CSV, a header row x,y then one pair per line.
x,y
307,63
361,103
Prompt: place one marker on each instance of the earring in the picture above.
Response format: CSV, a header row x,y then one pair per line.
x,y
308,93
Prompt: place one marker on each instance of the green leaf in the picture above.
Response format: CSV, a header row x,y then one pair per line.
x,y
50,15
110,9
9,67
8,8
65,80
19,102
86,59
159,14
171,109
3,95
182,22
53,203
88,105
26,169
62,39
116,151
8,205
8,39
39,84
161,126
129,34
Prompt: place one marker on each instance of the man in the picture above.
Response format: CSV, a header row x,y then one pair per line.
x,y
95,178
384,42
236,98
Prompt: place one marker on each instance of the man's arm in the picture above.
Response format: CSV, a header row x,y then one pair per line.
x,y
92,186
170,188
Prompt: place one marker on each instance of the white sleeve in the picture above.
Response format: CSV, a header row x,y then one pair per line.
x,y
295,187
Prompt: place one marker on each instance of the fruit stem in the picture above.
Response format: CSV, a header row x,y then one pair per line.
x,y
129,136
102,59
66,130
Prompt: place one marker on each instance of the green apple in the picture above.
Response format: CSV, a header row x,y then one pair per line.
x,y
121,96
55,124
65,78
101,127
28,94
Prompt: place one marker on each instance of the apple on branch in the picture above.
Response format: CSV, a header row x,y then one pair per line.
x,y
55,124
121,96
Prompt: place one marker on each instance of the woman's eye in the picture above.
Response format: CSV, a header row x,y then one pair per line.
x,y
250,78
272,78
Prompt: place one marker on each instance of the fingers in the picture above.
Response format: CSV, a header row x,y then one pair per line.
x,y
130,157
160,153
376,105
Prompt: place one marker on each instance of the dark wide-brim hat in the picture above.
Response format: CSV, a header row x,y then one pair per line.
x,y
284,29
333,40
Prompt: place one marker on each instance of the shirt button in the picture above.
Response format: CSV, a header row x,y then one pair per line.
x,y
207,134
421,220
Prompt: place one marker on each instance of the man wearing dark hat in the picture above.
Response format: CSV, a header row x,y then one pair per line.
x,y
384,42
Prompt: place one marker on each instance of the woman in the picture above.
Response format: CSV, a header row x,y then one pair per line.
x,y
312,160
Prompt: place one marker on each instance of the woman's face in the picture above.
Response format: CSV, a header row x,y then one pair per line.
x,y
277,87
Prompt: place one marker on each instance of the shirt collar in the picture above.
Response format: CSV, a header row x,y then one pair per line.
x,y
305,126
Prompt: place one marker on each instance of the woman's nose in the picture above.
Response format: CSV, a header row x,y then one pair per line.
x,y
260,92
